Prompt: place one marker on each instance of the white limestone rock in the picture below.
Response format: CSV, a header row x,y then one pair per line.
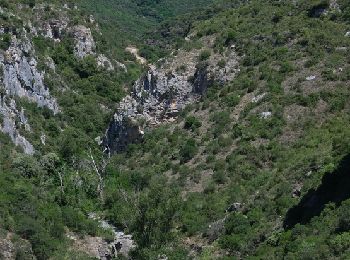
x,y
84,42
104,62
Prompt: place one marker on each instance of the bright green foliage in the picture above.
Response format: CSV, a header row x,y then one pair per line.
x,y
182,181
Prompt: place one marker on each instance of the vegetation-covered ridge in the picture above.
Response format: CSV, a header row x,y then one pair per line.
x,y
256,169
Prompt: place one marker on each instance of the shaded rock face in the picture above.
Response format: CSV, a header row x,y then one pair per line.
x,y
334,188
120,133
160,94
201,81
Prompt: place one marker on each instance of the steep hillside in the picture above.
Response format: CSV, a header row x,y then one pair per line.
x,y
153,25
58,90
233,145
256,168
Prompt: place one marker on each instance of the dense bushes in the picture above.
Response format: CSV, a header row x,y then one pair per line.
x,y
225,174
188,150
192,123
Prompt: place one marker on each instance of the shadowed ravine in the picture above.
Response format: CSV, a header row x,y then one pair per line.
x,y
335,187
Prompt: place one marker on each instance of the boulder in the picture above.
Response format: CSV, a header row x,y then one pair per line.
x,y
234,207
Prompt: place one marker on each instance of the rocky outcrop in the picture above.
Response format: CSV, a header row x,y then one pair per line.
x,y
122,243
59,26
53,27
19,73
84,42
100,248
121,132
14,248
56,27
12,121
20,78
163,92
104,62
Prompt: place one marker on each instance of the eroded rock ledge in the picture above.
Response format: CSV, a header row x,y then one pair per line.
x,y
166,89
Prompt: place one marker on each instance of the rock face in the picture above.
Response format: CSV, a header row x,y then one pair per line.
x,y
15,248
104,62
20,78
53,28
121,132
99,248
84,42
10,126
163,92
56,28
122,244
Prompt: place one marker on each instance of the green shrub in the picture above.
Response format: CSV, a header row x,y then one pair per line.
x,y
340,243
188,150
232,100
5,41
191,122
204,55
4,4
219,177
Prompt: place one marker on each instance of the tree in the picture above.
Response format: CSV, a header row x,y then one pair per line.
x,y
27,166
188,150
156,212
192,123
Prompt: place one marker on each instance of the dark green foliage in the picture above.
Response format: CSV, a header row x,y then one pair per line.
x,y
232,100
188,150
27,166
191,122
4,4
344,218
5,41
204,55
30,3
156,205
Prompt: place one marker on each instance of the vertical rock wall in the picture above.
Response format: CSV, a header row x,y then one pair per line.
x,y
163,92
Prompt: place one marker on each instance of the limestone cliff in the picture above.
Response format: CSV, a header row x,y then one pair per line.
x,y
21,76
166,89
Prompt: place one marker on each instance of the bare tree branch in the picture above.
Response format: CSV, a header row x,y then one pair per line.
x,y
99,174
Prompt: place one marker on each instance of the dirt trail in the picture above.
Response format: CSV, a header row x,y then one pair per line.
x,y
134,51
